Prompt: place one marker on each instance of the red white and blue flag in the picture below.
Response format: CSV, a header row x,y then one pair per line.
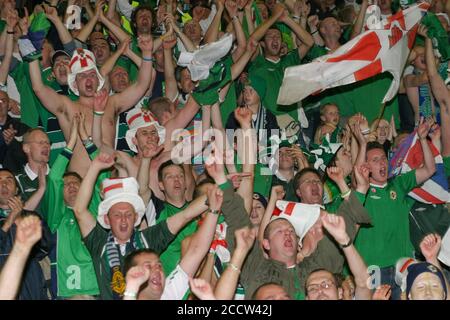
x,y
435,189
371,53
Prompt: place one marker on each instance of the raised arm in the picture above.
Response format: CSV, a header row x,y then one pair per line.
x,y
429,167
277,193
100,102
130,96
144,171
241,63
259,33
29,231
116,30
201,240
195,208
248,141
109,64
12,19
86,220
182,119
232,9
53,101
359,23
111,9
313,24
335,225
213,29
169,69
336,174
440,91
33,202
430,247
188,44
52,15
87,29
226,286
305,38
362,143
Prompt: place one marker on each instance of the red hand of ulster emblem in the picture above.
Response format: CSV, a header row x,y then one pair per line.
x,y
396,35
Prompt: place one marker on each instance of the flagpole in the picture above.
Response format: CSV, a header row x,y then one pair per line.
x,y
381,116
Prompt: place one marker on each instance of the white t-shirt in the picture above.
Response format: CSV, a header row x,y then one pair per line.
x,y
177,284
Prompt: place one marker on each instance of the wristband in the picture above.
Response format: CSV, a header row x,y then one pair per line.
x,y
130,294
234,17
296,17
148,59
365,131
99,113
87,141
216,212
9,32
348,244
314,32
234,267
346,194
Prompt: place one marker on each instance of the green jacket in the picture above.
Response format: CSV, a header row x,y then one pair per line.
x,y
75,271
328,255
257,270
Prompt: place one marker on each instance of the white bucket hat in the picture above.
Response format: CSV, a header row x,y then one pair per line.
x,y
120,190
82,60
302,216
141,118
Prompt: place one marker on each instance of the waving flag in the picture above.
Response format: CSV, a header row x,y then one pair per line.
x,y
435,189
371,53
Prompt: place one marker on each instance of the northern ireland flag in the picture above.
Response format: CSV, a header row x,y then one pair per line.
x,y
435,189
371,53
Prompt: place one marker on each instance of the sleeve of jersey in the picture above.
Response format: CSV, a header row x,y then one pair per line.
x,y
177,284
53,203
353,213
95,240
158,237
234,212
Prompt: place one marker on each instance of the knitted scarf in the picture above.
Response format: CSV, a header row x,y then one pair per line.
x,y
113,259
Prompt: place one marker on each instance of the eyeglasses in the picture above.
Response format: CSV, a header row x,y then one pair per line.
x,y
314,288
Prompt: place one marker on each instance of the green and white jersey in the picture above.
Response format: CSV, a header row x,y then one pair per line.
x,y
273,72
388,239
170,257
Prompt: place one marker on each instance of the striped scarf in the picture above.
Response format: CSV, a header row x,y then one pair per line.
x,y
113,258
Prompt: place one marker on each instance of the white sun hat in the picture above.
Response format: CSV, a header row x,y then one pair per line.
x,y
82,60
141,118
120,190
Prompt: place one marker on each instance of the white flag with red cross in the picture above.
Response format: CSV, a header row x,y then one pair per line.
x,y
371,53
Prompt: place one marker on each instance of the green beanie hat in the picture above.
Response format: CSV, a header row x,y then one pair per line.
x,y
258,84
